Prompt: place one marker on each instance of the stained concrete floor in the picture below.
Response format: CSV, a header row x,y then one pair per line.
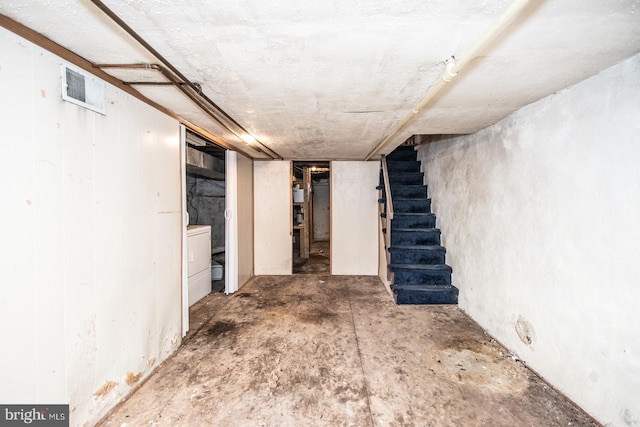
x,y
319,350
318,261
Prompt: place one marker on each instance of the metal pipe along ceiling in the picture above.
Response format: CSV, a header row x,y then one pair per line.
x,y
454,67
183,87
179,80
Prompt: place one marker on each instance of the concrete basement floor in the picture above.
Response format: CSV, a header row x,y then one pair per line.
x,y
320,350
318,261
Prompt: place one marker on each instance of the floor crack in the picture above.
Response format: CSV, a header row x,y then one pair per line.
x,y
364,378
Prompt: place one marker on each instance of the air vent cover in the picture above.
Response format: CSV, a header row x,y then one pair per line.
x,y
83,89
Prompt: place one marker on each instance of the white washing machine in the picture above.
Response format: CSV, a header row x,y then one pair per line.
x,y
198,262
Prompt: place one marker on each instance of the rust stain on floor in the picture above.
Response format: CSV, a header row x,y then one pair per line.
x,y
320,350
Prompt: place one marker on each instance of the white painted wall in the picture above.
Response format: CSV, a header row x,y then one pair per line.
x,y
245,219
354,217
540,215
272,217
91,239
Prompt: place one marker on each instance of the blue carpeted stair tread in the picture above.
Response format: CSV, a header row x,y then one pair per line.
x,y
406,178
422,287
424,236
401,206
422,254
420,247
399,200
413,220
420,267
435,274
408,191
396,166
425,294
400,174
403,153
428,229
414,214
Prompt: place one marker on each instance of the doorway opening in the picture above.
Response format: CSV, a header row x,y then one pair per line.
x,y
311,211
205,200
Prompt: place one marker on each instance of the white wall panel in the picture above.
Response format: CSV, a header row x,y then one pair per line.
x,y
354,218
91,239
272,217
539,214
18,329
108,220
245,219
78,248
48,167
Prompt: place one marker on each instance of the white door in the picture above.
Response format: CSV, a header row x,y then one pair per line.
x,y
231,223
272,189
185,222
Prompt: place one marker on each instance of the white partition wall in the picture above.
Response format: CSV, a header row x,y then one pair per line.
x,y
272,217
540,216
245,219
231,223
91,239
239,221
354,217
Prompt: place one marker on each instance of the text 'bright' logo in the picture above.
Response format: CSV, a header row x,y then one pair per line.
x,y
49,415
26,416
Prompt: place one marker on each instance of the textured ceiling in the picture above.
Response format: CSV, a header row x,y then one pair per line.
x,y
319,80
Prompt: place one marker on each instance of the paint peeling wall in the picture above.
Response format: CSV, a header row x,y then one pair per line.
x,y
354,218
91,232
540,215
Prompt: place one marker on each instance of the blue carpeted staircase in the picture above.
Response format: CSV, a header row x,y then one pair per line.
x,y
417,259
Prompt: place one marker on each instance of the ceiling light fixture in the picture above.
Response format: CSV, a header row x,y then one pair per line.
x,y
249,139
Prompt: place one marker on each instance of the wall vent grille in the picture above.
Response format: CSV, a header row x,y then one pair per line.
x,y
83,89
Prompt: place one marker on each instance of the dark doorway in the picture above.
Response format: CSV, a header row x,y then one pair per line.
x,y
205,183
311,218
